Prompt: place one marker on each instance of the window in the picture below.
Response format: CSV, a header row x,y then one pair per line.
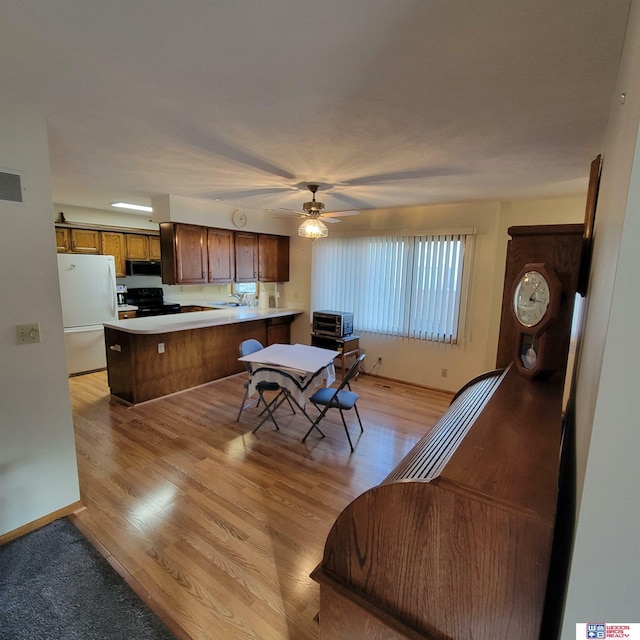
x,y
410,286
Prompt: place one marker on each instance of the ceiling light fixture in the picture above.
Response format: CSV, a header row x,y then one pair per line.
x,y
313,228
130,205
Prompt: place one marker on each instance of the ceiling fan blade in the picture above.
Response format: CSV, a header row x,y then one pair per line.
x,y
302,213
284,216
354,203
330,220
205,140
341,214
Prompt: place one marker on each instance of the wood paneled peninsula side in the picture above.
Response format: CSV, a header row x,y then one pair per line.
x,y
152,357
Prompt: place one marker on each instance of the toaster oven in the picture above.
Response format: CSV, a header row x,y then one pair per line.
x,y
332,323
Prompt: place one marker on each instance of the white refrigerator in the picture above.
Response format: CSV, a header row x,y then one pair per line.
x,y
88,294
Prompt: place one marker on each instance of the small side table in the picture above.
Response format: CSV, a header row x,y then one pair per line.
x,y
347,346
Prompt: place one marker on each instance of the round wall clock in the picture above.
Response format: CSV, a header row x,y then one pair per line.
x,y
239,218
537,292
531,298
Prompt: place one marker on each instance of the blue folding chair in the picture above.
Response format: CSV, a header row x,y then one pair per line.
x,y
342,398
247,347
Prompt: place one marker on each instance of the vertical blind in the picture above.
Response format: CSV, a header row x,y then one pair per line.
x,y
408,286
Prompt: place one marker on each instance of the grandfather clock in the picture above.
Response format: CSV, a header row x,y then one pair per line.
x,y
541,280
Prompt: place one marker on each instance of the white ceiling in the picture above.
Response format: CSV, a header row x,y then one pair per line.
x,y
383,102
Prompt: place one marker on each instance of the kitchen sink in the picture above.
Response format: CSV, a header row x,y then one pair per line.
x,y
221,305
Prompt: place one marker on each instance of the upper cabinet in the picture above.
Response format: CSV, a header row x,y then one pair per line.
x,y
63,240
221,255
85,241
246,256
273,258
137,246
193,254
184,253
113,244
120,242
154,248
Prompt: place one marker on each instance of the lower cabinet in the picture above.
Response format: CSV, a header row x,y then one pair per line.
x,y
137,371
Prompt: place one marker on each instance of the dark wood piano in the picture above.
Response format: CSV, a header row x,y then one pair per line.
x,y
456,543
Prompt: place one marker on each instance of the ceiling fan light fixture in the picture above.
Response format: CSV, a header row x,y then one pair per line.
x,y
313,228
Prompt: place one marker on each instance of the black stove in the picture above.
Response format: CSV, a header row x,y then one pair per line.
x,y
150,302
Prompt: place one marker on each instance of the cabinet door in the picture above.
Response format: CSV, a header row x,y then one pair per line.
x,y
85,241
154,248
63,240
137,246
246,256
273,258
190,243
113,244
221,253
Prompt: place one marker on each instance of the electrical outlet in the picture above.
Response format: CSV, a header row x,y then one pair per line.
x,y
160,347
27,333
444,373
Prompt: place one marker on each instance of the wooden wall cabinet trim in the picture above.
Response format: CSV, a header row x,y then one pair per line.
x,y
114,244
85,241
221,255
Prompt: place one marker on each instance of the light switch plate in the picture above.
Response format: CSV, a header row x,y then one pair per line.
x,y
27,333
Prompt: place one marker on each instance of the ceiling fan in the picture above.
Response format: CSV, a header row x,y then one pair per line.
x,y
313,227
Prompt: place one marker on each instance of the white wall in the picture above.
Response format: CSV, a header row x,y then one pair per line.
x,y
419,361
38,472
604,583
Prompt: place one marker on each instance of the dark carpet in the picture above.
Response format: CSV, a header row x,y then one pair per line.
x,y
55,585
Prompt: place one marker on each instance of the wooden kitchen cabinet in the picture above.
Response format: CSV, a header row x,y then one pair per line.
x,y
154,248
246,256
113,244
85,241
137,246
273,258
221,255
184,253
63,240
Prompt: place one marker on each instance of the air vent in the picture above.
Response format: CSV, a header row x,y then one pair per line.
x,y
10,186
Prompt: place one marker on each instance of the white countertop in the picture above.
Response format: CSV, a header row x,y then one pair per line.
x,y
197,319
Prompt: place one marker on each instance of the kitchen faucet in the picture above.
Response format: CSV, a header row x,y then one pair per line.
x,y
240,296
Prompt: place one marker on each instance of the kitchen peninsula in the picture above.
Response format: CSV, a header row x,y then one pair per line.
x,y
152,357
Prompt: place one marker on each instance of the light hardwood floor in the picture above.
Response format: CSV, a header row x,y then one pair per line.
x,y
217,528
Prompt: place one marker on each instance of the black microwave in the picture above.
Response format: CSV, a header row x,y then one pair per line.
x,y
333,323
143,268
